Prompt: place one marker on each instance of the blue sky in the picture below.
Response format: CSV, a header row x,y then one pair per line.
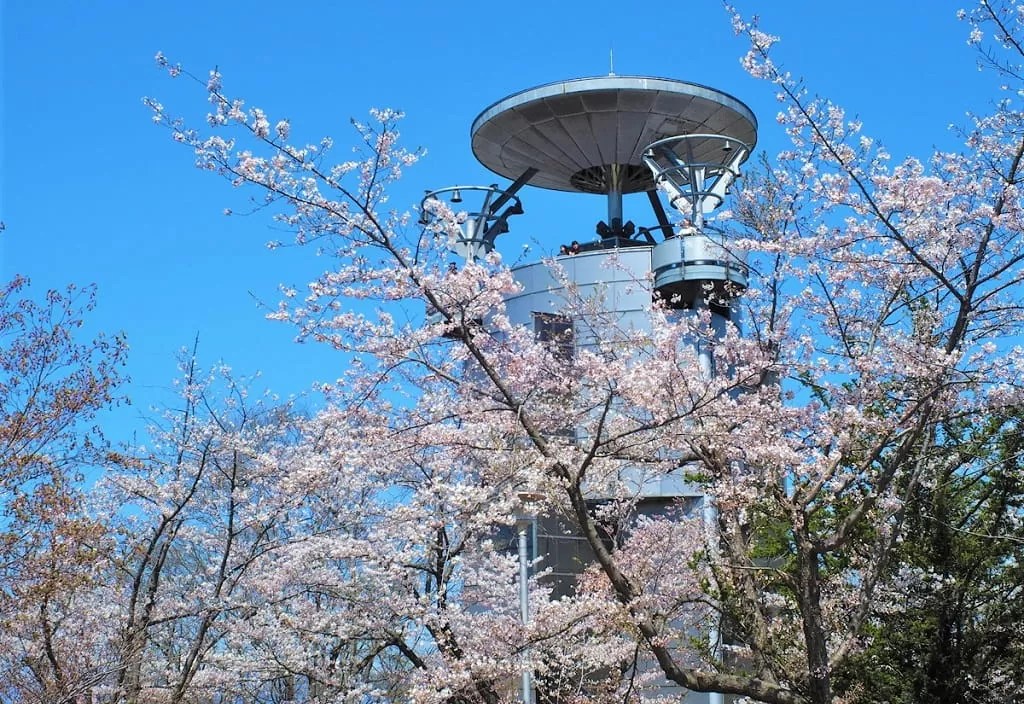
x,y
92,192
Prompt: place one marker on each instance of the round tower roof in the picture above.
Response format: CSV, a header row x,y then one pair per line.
x,y
584,133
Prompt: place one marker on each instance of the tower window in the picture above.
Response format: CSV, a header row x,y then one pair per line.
x,y
556,333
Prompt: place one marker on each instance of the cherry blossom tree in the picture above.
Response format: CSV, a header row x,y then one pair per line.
x,y
52,385
914,270
197,513
177,531
884,315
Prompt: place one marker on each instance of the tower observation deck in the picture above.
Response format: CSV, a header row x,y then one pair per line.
x,y
589,135
616,135
609,135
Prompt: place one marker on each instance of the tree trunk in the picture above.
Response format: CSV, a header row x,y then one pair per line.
x,y
819,686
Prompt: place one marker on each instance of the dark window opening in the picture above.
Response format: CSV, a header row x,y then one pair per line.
x,y
556,333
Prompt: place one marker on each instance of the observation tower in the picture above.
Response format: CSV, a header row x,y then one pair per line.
x,y
681,144
613,136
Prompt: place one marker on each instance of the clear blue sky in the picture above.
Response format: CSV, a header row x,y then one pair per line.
x,y
92,192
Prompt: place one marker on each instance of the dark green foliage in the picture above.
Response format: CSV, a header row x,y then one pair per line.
x,y
955,633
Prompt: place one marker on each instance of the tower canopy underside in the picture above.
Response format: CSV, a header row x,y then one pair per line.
x,y
588,135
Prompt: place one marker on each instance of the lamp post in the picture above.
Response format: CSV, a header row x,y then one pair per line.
x,y
525,519
710,518
523,527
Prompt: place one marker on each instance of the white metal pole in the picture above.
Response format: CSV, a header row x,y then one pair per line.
x,y
714,633
524,606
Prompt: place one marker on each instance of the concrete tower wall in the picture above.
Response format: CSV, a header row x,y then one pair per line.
x,y
618,278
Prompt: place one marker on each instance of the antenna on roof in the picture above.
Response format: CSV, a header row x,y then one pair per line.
x,y
611,61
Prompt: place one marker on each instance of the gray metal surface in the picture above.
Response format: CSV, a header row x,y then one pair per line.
x,y
618,279
588,135
694,266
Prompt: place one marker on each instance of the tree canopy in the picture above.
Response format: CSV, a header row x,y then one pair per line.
x,y
859,447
